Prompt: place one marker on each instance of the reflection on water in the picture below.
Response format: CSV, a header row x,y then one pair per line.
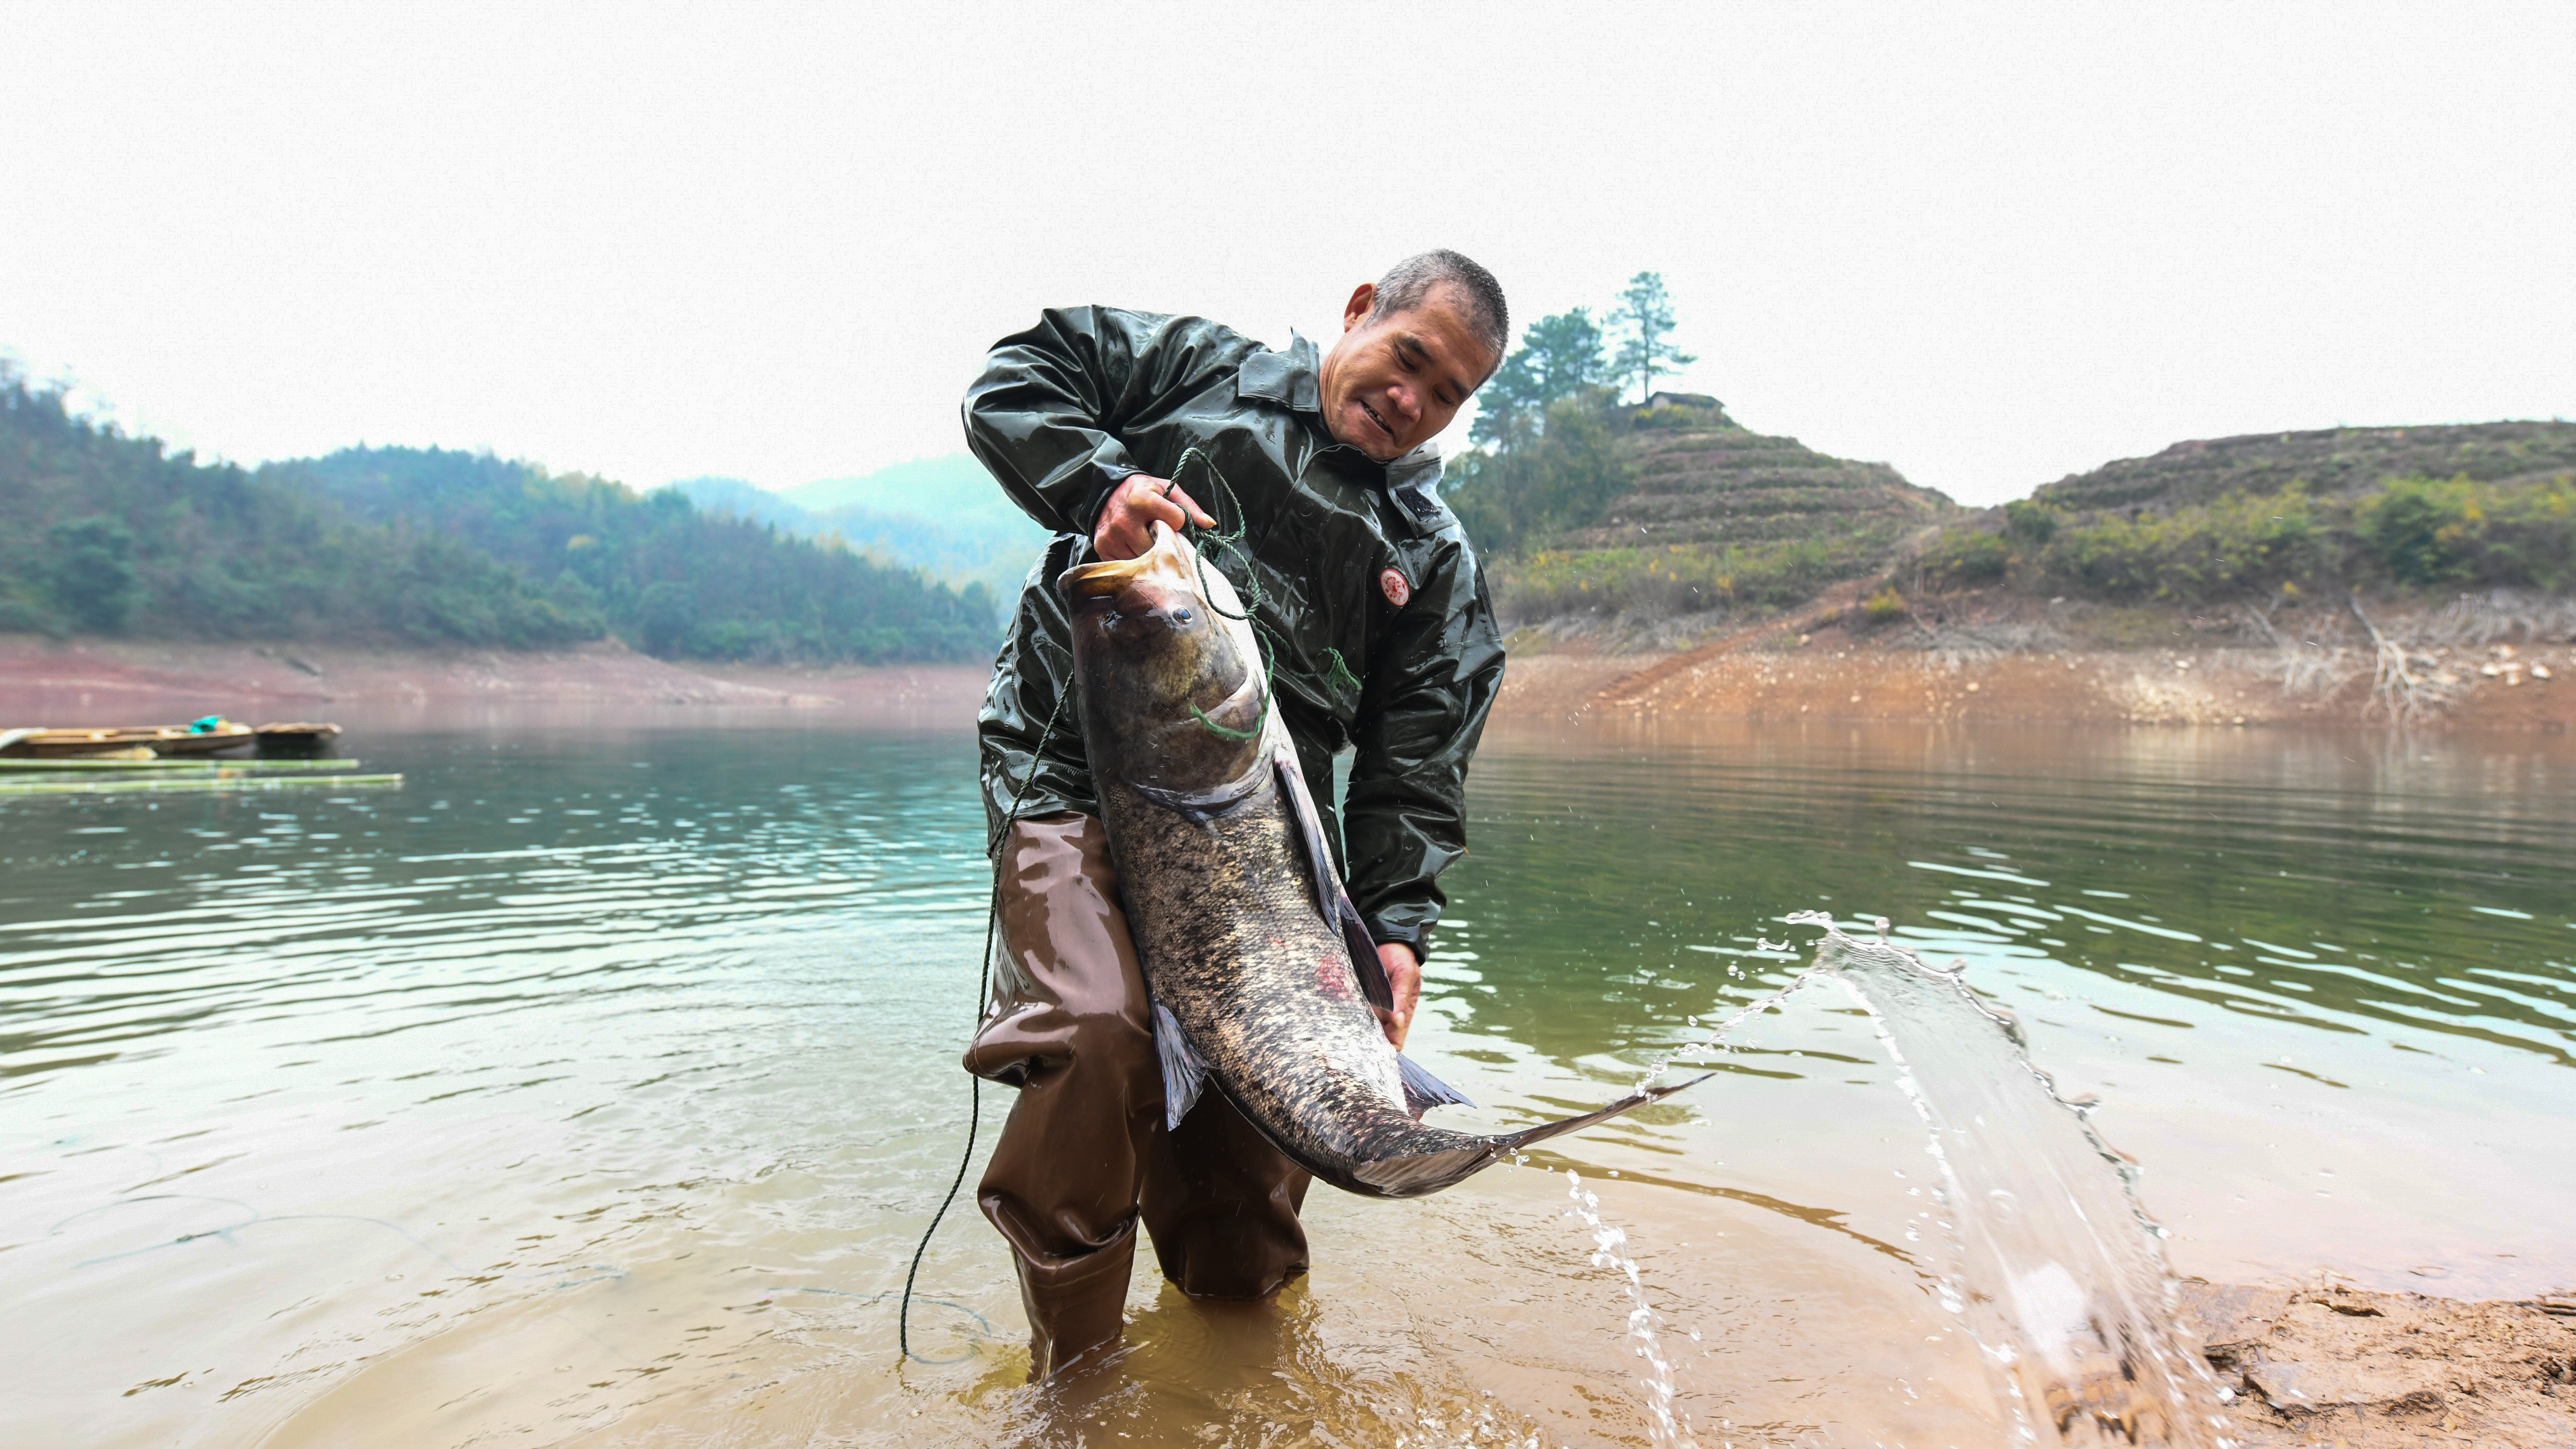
x,y
594,1086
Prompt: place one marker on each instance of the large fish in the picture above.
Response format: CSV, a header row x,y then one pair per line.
x,y
1261,975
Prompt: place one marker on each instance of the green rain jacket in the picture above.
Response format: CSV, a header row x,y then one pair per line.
x,y
1383,637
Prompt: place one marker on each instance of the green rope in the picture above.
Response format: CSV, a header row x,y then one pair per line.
x,y
1250,591
1338,673
1221,732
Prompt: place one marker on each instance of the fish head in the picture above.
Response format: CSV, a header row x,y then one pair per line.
x,y
1171,686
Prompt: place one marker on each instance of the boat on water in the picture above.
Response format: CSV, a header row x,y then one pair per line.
x,y
295,739
212,735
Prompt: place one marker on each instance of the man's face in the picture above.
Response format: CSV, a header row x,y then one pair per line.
x,y
1393,382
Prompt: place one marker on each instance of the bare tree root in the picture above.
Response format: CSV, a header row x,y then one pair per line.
x,y
2397,692
2307,667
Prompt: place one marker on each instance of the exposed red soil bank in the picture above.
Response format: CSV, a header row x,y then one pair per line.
x,y
1770,675
1762,674
42,683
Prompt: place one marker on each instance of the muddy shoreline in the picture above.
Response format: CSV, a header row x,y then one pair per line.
x,y
1775,672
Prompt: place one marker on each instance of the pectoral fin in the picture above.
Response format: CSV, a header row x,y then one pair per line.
x,y
1423,1091
1184,1071
1331,901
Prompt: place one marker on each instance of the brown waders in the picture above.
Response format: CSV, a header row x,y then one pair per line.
x,y
1084,1153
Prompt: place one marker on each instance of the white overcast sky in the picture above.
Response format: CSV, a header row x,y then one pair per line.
x,y
1989,244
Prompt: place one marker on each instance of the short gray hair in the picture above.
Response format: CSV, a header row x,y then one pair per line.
x,y
1409,282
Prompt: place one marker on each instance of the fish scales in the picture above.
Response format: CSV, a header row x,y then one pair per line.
x,y
1225,921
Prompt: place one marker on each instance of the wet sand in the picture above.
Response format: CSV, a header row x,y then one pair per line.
x,y
2329,1365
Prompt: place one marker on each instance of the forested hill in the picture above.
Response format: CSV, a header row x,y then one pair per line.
x,y
101,533
664,576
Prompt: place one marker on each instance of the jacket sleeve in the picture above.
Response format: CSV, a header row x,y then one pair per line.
x,y
1046,412
1431,682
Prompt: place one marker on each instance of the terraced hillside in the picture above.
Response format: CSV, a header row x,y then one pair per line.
x,y
1699,479
1713,520
2331,461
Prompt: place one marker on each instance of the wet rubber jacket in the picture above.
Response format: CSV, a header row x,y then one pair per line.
x,y
1381,634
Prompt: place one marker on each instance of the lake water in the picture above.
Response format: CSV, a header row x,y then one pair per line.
x,y
594,1087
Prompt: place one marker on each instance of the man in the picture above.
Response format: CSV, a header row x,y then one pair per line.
x,y
1381,638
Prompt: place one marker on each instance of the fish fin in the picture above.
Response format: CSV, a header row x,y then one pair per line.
x,y
1429,1172
1423,1091
1184,1071
1331,901
1364,960
1515,1141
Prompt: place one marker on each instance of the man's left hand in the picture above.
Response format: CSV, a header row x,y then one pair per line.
x,y
1404,974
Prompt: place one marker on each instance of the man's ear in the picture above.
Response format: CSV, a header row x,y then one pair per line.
x,y
1357,309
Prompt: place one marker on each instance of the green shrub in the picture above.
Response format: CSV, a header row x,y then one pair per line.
x,y
2030,522
1884,607
1680,578
1966,558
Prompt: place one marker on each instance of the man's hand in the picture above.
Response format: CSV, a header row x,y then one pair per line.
x,y
1404,974
1126,525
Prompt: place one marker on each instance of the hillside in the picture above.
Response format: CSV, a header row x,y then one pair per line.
x,y
945,515
1694,477
2275,515
106,534
2330,461
664,576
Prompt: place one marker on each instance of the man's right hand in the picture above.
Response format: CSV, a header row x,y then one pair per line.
x,y
1126,525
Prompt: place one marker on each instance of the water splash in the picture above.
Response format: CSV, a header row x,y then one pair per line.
x,y
1609,1250
2052,1263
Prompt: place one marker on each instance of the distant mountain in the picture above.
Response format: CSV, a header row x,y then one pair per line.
x,y
944,514
744,500
952,485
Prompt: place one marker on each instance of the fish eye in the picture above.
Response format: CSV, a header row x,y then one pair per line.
x,y
1182,616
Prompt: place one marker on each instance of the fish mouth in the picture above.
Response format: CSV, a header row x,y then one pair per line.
x,y
1168,561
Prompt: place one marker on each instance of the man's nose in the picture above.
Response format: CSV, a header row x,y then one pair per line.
x,y
1406,402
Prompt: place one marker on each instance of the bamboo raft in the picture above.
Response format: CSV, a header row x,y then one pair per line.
x,y
214,779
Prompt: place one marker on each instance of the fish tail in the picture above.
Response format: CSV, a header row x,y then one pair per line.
x,y
1430,1172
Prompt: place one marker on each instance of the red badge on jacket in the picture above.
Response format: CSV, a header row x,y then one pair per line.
x,y
1392,583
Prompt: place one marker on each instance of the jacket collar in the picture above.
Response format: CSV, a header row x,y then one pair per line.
x,y
1293,379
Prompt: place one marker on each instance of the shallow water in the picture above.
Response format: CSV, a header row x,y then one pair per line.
x,y
594,1087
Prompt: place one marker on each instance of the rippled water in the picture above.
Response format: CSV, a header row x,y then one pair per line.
x,y
593,1087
